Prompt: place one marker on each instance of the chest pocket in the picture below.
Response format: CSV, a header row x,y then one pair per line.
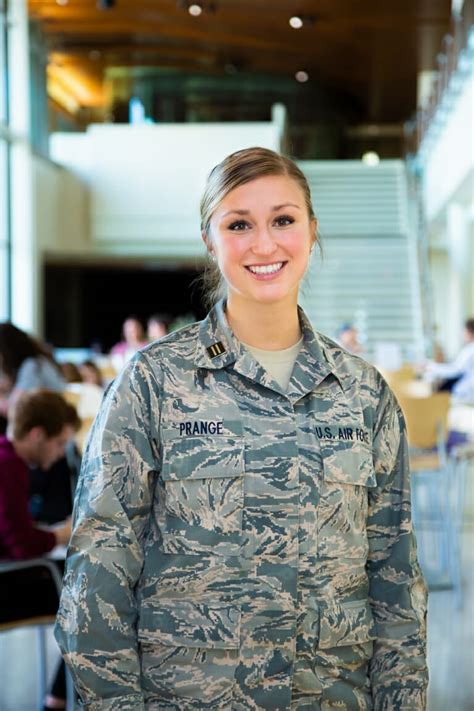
x,y
347,476
203,479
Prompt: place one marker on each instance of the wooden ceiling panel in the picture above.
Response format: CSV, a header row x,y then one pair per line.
x,y
370,49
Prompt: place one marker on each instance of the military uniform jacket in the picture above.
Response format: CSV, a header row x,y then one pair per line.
x,y
241,548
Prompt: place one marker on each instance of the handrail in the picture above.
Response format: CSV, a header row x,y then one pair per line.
x,y
7,566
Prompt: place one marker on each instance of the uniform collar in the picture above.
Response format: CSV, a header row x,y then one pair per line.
x,y
314,364
215,331
217,348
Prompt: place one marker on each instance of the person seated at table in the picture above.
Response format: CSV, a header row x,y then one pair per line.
x,y
91,374
457,376
70,372
133,339
25,364
40,425
157,326
348,337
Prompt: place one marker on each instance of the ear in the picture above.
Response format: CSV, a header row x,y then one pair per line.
x,y
37,434
208,242
314,231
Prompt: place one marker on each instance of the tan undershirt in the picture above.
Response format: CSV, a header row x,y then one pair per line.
x,y
279,364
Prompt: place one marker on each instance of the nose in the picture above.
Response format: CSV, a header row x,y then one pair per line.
x,y
263,244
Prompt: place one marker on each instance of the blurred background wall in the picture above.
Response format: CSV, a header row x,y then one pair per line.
x,y
112,114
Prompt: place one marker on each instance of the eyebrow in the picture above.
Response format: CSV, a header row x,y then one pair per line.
x,y
274,209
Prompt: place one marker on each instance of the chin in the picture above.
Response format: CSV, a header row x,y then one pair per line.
x,y
272,295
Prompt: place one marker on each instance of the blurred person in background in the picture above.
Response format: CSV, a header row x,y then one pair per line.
x,y
91,374
457,376
133,339
348,337
25,364
243,534
157,327
41,422
40,425
71,372
89,391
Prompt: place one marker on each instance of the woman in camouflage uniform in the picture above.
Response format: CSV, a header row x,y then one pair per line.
x,y
242,535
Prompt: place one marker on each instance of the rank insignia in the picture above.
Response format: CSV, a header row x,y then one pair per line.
x,y
216,349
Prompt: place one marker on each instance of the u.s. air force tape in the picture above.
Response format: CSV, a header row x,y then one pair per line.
x,y
216,349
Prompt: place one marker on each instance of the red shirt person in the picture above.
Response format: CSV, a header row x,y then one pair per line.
x,y
39,427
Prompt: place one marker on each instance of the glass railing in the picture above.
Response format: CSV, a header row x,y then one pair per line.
x,y
454,63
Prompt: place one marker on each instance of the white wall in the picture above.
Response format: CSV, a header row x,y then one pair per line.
x,y
449,159
145,182
447,162
62,221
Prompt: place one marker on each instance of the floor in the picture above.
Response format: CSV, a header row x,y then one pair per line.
x,y
450,643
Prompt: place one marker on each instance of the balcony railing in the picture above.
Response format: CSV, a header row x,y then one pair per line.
x,y
454,63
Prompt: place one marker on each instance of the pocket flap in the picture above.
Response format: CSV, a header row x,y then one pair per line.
x,y
350,465
346,624
181,623
203,458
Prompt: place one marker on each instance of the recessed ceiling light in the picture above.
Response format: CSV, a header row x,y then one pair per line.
x,y
371,158
62,2
296,22
195,10
302,76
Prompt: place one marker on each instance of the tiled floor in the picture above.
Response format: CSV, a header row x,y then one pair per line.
x,y
18,668
450,644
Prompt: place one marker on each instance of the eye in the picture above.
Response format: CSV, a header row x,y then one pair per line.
x,y
284,220
239,226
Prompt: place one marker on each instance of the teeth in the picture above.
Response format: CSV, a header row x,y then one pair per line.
x,y
267,269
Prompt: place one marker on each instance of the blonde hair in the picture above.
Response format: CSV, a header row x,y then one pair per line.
x,y
237,169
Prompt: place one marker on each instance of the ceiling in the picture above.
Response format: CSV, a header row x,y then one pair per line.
x,y
367,51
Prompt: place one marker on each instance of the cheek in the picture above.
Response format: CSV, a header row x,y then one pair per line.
x,y
298,244
230,252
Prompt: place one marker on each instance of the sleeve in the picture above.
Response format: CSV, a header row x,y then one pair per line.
x,y
460,365
398,594
97,619
19,536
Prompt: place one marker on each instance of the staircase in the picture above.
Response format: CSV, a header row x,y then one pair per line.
x,y
369,274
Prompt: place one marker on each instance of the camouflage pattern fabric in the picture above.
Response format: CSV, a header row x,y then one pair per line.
x,y
241,548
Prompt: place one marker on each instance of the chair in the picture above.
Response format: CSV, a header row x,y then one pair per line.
x,y
405,373
435,493
83,433
461,457
86,399
426,418
40,623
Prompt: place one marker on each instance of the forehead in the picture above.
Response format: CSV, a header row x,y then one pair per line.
x,y
274,189
66,433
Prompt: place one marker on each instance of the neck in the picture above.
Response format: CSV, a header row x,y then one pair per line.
x,y
270,327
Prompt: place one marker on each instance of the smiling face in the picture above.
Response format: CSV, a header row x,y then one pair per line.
x,y
261,236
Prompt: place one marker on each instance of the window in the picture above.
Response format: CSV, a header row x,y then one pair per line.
x,y
5,270
3,64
